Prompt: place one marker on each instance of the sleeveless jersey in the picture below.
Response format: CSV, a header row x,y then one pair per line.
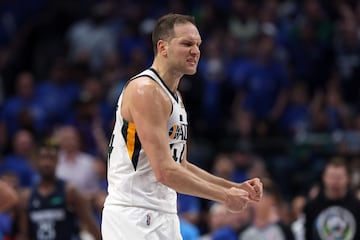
x,y
48,216
131,180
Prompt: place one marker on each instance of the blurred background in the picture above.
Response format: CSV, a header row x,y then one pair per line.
x,y
276,95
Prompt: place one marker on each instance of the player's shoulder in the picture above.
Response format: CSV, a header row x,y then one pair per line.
x,y
143,81
145,87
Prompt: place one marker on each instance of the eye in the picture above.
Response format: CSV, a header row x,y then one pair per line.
x,y
187,44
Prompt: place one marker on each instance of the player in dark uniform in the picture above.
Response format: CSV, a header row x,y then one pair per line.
x,y
53,209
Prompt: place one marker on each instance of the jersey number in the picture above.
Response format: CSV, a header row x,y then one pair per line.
x,y
177,152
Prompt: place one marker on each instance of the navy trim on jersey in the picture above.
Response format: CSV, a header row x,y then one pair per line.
x,y
151,77
172,94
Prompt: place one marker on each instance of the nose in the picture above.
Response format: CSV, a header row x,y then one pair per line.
x,y
195,50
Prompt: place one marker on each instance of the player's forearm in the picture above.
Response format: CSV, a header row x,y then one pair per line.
x,y
95,231
210,177
186,182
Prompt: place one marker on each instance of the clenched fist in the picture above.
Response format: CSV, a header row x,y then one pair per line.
x,y
236,199
254,187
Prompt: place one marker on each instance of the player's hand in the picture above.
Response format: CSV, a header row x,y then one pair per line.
x,y
236,199
254,187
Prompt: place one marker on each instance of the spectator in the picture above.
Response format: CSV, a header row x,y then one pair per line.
x,y
309,48
223,166
75,166
92,39
347,55
331,106
212,70
241,155
58,93
334,212
216,219
297,226
261,82
236,223
25,110
241,127
20,160
189,208
296,116
188,231
266,223
242,22
348,140
90,122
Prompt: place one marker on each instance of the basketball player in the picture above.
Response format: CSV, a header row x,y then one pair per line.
x,y
53,209
147,162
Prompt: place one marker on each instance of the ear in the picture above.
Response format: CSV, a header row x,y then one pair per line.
x,y
162,47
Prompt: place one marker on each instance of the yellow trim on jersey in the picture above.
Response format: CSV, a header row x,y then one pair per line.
x,y
130,139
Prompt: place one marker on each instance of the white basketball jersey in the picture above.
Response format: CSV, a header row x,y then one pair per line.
x,y
130,177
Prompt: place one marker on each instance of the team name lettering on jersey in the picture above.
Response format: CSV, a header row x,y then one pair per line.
x,y
178,132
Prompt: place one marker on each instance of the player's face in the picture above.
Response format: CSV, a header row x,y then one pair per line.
x,y
183,49
46,163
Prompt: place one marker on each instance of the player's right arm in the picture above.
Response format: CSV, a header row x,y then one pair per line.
x,y
23,215
147,105
83,210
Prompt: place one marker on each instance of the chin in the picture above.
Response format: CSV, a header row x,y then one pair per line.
x,y
190,72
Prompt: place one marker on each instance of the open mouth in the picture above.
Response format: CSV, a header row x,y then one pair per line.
x,y
191,61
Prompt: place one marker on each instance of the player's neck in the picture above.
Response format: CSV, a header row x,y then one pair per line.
x,y
47,186
170,77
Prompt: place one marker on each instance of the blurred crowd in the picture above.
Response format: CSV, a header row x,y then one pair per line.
x,y
276,96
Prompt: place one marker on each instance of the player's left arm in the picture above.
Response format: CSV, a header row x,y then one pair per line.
x,y
83,210
253,186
